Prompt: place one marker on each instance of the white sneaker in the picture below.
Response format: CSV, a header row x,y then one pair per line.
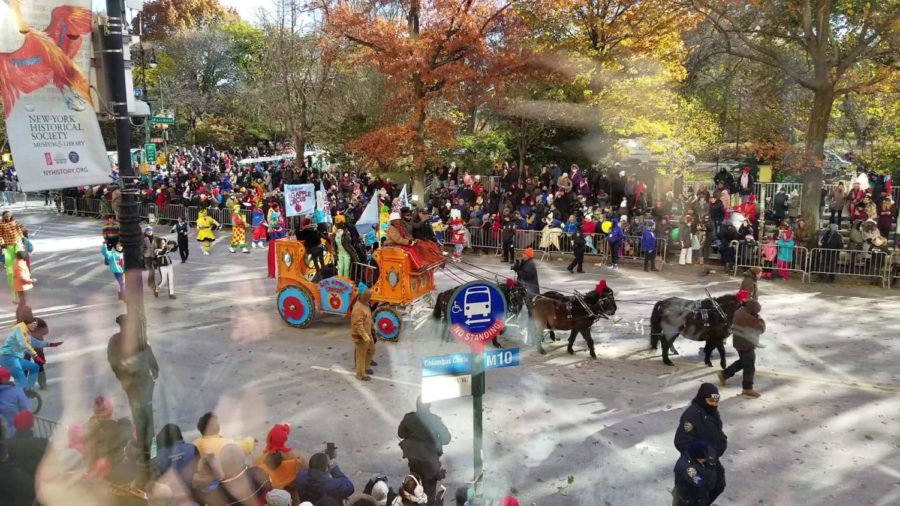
x,y
245,250
253,245
231,250
206,252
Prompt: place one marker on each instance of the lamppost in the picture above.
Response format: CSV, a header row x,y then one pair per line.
x,y
135,356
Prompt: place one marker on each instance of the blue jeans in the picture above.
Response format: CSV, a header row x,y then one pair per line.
x,y
17,368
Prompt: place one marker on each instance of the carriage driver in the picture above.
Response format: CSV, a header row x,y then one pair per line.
x,y
526,273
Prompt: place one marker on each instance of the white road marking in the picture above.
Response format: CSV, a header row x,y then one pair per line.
x,y
345,372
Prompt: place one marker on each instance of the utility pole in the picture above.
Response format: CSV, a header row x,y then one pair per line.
x,y
135,348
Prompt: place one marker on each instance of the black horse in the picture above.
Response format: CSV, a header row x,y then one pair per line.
x,y
577,314
697,320
514,293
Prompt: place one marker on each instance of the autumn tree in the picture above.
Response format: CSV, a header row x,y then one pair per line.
x,y
299,71
425,50
821,45
162,18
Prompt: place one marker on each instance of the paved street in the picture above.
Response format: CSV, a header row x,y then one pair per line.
x,y
560,429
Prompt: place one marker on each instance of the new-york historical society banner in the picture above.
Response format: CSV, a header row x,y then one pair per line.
x,y
45,51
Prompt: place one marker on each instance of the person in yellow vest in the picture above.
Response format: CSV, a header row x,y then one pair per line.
x,y
205,226
238,232
211,442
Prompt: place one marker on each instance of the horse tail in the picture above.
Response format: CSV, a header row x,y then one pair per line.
x,y
438,306
656,324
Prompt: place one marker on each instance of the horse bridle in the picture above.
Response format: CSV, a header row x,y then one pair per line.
x,y
580,298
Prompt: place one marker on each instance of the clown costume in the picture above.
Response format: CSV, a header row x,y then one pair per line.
x,y
258,223
275,224
238,234
205,233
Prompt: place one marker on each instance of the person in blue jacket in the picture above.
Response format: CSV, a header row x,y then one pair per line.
x,y
648,246
616,235
323,479
12,401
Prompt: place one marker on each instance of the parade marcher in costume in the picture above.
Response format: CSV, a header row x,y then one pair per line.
x,y
111,231
166,270
258,223
457,234
421,253
25,338
238,234
361,331
149,250
10,242
22,280
181,228
205,233
275,225
312,242
343,247
115,261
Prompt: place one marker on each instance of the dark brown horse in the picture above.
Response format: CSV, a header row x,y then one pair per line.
x,y
575,313
697,320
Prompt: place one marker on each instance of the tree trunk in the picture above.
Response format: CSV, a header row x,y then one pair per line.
x,y
816,133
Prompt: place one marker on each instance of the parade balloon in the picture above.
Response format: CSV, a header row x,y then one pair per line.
x,y
606,227
674,234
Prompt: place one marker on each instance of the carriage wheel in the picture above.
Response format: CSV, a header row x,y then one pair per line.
x,y
36,402
387,323
296,306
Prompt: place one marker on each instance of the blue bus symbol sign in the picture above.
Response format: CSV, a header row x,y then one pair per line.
x,y
477,312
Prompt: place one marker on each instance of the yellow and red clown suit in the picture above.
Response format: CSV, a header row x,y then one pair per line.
x,y
205,226
238,234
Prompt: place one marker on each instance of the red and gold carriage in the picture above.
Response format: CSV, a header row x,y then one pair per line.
x,y
395,280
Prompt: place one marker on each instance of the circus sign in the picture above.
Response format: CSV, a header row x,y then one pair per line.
x,y
45,52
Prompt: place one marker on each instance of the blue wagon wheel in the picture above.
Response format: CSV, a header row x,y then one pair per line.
x,y
387,323
296,306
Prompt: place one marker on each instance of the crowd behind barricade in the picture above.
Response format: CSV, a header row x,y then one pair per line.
x,y
606,212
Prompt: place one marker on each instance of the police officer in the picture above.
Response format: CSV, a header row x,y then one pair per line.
x,y
701,421
508,236
693,482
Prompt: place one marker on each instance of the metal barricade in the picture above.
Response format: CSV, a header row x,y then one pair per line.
x,y
481,238
528,239
44,428
595,245
169,213
894,270
630,248
190,214
749,254
89,207
855,263
69,205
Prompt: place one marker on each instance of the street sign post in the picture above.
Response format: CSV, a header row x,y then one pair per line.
x,y
477,314
150,153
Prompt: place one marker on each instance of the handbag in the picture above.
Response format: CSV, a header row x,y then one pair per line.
x,y
695,243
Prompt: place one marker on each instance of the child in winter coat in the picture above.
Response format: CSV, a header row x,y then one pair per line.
x,y
768,253
115,261
457,235
785,253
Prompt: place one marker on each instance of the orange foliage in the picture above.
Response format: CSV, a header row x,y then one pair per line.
x,y
433,54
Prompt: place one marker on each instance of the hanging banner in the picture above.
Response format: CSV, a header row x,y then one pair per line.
x,y
53,132
299,199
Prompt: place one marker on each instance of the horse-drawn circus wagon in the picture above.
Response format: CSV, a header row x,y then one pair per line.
x,y
395,282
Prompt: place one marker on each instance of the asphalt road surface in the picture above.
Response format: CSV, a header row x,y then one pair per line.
x,y
559,429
